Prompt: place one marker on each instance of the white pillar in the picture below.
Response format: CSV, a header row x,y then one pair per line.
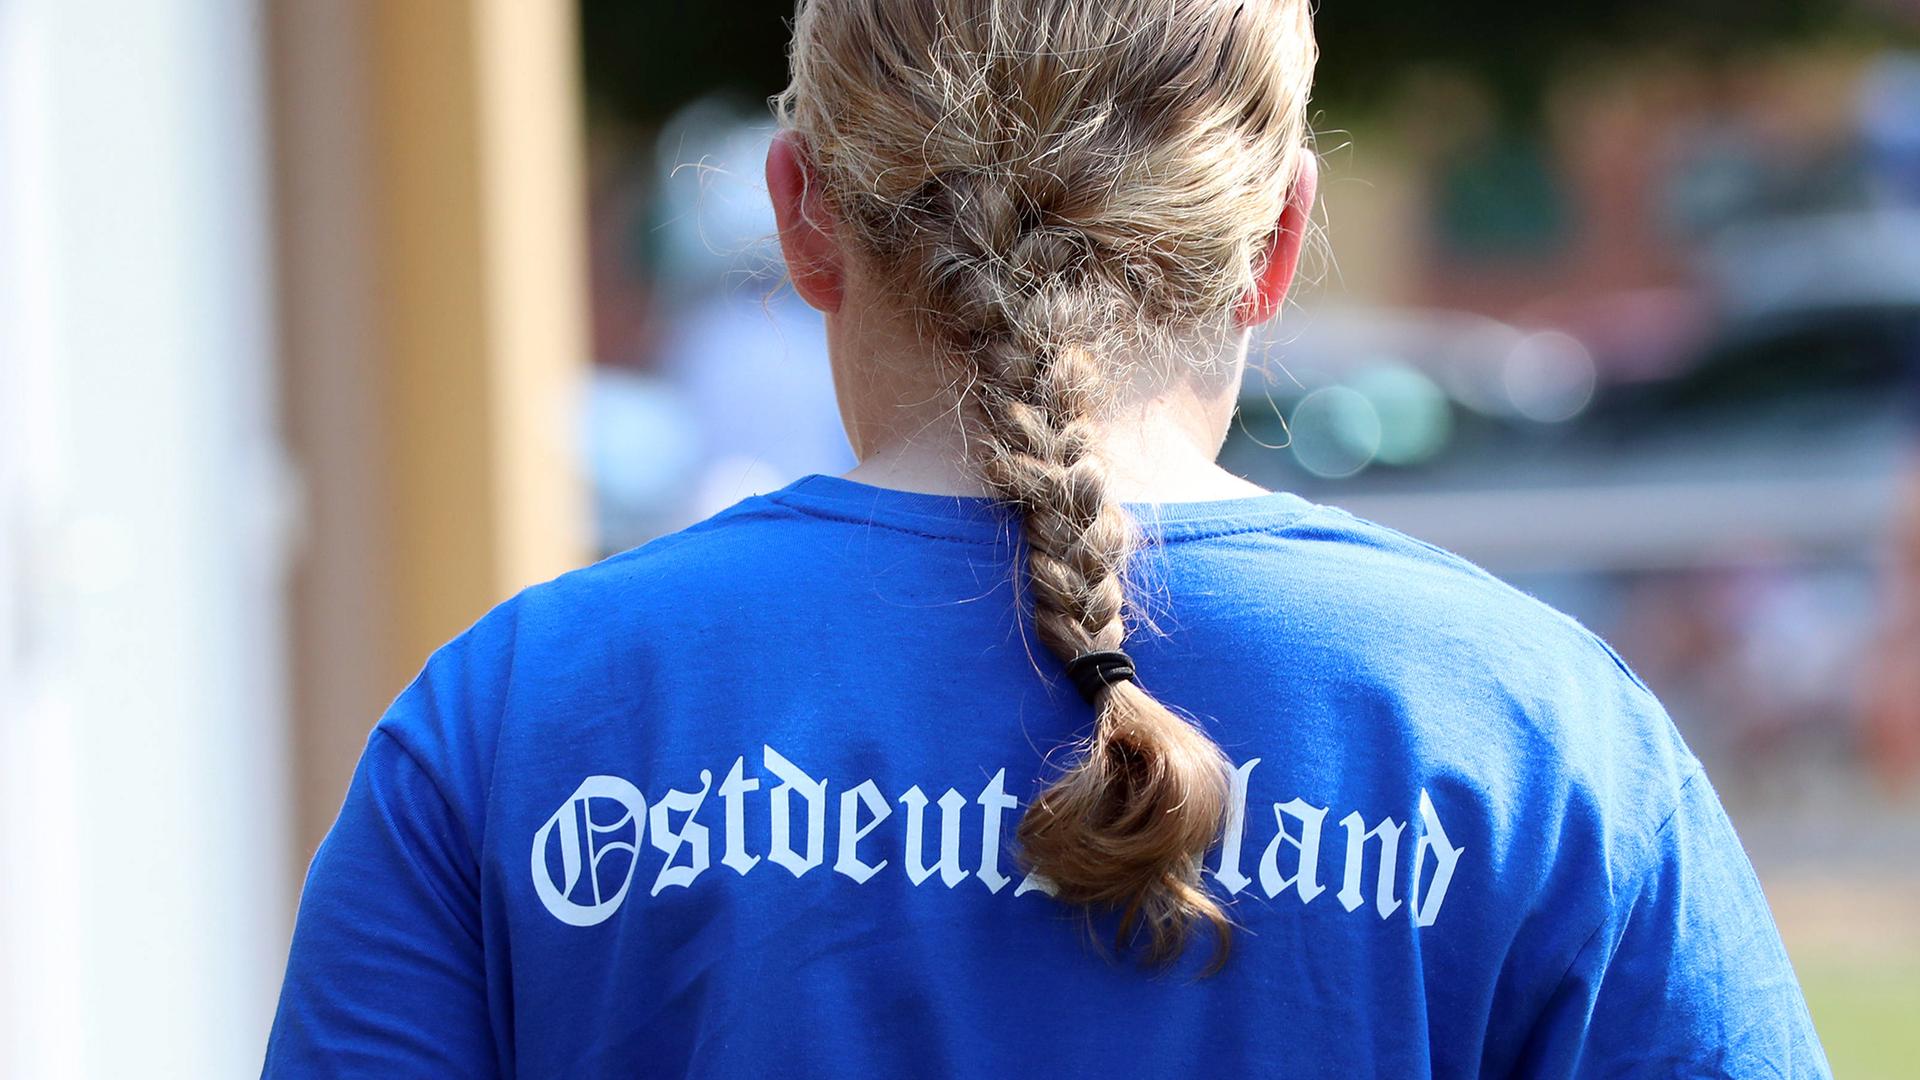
x,y
143,827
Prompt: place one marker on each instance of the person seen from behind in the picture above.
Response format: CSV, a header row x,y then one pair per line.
x,y
1036,744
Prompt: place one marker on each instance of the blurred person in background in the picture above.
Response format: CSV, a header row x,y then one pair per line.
x,y
671,814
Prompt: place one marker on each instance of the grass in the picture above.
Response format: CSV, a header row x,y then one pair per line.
x,y
1867,1011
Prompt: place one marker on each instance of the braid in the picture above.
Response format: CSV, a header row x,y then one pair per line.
x,y
1128,823
1057,186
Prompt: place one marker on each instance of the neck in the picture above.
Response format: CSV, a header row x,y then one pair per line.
x,y
1181,473
1158,446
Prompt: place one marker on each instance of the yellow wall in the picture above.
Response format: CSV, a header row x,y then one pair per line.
x,y
434,330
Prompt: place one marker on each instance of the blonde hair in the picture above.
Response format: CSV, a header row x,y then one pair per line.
x,y
1056,186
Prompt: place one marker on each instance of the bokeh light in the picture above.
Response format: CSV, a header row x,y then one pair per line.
x,y
1414,414
1336,431
1549,377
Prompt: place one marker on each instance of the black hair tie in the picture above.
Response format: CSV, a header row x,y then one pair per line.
x,y
1095,671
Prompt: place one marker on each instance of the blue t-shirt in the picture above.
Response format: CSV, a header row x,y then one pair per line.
x,y
741,801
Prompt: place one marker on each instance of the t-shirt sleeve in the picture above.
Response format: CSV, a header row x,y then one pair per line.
x,y
1687,976
386,976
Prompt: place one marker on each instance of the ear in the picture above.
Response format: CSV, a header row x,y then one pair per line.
x,y
1283,255
813,257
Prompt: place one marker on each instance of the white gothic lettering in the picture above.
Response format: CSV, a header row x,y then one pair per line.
x,y
606,816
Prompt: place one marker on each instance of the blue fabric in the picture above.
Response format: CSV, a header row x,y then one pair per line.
x,y
741,801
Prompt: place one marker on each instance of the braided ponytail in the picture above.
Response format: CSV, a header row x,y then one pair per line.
x,y
1060,184
1128,823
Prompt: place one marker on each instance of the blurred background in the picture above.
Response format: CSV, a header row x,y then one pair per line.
x,y
326,324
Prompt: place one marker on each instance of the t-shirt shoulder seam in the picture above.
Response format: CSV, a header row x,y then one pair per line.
x,y
419,763
1696,773
1636,878
1614,655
